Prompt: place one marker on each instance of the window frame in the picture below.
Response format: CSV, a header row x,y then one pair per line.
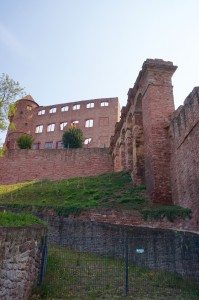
x,y
60,125
90,105
40,128
48,143
104,104
89,141
76,107
52,110
41,112
63,108
90,123
49,129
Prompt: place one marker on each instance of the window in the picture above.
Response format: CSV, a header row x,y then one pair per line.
x,y
39,129
104,121
64,108
90,105
29,107
52,110
75,122
76,106
36,146
87,141
49,145
41,112
51,127
105,103
62,125
59,145
89,123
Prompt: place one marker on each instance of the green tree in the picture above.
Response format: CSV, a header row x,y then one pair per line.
x,y
10,90
73,138
25,141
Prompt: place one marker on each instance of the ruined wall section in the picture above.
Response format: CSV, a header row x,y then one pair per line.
x,y
20,260
55,164
184,138
141,142
95,117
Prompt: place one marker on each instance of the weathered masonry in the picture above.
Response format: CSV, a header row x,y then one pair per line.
x,y
158,146
46,124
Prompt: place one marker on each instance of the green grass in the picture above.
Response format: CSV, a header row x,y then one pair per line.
x,y
107,191
74,275
15,219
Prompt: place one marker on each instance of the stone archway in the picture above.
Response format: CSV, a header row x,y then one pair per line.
x,y
122,150
128,143
138,170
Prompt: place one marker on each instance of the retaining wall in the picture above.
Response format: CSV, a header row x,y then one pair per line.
x,y
55,164
173,251
20,259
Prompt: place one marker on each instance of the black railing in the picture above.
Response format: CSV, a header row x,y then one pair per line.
x,y
128,266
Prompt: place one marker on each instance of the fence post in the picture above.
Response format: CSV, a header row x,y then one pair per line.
x,y
127,265
44,252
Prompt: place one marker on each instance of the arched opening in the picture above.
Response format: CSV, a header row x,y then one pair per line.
x,y
129,144
122,150
138,170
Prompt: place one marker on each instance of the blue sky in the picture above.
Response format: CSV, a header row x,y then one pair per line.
x,y
71,50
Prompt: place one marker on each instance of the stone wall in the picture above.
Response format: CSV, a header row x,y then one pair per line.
x,y
184,139
140,143
173,251
20,259
27,165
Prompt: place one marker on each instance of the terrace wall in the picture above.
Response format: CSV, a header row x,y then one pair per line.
x,y
20,260
172,251
55,164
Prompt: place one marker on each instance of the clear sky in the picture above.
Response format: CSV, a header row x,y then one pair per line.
x,y
71,50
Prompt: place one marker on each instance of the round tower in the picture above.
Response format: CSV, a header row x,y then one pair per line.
x,y
22,119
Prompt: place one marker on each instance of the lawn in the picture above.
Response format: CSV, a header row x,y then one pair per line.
x,y
107,191
74,275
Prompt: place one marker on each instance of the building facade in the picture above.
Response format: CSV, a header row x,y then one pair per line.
x,y
46,124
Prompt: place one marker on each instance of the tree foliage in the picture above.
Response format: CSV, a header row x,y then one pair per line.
x,y
73,138
25,141
10,90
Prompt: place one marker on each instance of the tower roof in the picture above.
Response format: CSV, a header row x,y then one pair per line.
x,y
28,97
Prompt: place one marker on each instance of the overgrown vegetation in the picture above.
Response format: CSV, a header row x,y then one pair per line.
x,y
14,219
73,138
25,141
107,191
74,275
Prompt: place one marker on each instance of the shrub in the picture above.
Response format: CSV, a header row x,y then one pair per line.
x,y
25,141
73,138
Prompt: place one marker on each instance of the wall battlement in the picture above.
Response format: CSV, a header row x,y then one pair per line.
x,y
185,118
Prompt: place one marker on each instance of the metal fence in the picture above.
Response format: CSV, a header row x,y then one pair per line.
x,y
128,266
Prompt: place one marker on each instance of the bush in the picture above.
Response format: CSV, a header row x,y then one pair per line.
x,y
73,138
25,141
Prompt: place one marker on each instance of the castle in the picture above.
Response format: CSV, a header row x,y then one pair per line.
x,y
158,145
46,124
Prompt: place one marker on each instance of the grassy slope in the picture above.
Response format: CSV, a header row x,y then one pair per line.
x,y
13,219
107,191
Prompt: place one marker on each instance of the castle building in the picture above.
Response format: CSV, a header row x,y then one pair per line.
x,y
46,124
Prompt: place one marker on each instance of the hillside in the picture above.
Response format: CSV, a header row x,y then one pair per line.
x,y
107,191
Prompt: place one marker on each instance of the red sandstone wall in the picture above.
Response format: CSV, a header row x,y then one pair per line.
x,y
184,136
27,165
104,119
